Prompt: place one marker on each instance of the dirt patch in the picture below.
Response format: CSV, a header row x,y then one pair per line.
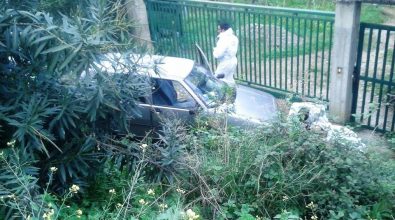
x,y
389,12
376,142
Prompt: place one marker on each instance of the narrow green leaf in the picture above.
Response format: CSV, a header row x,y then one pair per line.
x,y
39,49
42,39
70,57
15,37
53,63
57,48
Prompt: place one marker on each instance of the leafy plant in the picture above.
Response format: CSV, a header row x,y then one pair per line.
x,y
57,103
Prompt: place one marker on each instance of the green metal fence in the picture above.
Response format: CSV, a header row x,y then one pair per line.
x,y
374,86
282,49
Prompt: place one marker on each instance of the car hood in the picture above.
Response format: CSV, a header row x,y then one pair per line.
x,y
253,105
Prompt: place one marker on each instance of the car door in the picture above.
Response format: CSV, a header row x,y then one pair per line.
x,y
202,58
170,100
141,124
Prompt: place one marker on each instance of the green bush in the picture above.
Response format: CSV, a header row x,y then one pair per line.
x,y
285,167
54,116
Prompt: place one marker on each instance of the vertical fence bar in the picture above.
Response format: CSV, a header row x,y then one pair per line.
x,y
316,59
382,78
204,30
297,57
286,53
275,51
304,56
198,27
249,45
264,49
389,90
181,29
270,50
357,73
254,26
281,51
329,60
376,59
245,44
292,52
310,51
210,20
259,49
366,73
322,60
178,33
241,47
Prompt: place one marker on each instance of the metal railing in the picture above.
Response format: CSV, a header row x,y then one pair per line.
x,y
374,86
283,49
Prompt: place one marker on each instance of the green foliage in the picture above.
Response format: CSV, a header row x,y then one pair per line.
x,y
59,107
285,167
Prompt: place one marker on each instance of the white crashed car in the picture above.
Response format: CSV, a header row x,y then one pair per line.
x,y
182,87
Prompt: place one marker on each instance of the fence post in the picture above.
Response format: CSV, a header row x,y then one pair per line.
x,y
347,21
136,10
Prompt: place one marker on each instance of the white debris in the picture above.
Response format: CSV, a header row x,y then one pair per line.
x,y
314,116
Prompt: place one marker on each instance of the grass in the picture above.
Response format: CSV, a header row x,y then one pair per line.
x,y
370,13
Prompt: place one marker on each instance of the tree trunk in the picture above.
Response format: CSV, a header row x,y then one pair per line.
x,y
138,13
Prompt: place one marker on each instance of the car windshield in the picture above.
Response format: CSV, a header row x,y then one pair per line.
x,y
206,86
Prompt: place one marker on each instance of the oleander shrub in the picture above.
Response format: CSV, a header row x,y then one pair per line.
x,y
56,106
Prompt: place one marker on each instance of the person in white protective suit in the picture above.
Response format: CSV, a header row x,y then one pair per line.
x,y
225,52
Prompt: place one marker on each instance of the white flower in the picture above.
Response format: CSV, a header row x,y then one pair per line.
x,y
53,169
48,215
191,215
143,147
11,143
143,202
79,212
151,192
311,205
74,188
181,191
112,191
163,206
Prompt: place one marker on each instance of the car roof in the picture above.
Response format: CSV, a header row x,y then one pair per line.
x,y
154,65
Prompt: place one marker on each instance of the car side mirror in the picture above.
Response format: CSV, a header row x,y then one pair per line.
x,y
195,110
220,76
192,111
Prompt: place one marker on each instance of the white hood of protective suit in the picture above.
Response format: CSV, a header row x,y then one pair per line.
x,y
225,52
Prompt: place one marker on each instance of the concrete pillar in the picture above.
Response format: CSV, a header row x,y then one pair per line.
x,y
344,55
137,11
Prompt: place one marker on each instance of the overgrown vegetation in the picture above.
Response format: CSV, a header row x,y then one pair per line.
x,y
280,171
